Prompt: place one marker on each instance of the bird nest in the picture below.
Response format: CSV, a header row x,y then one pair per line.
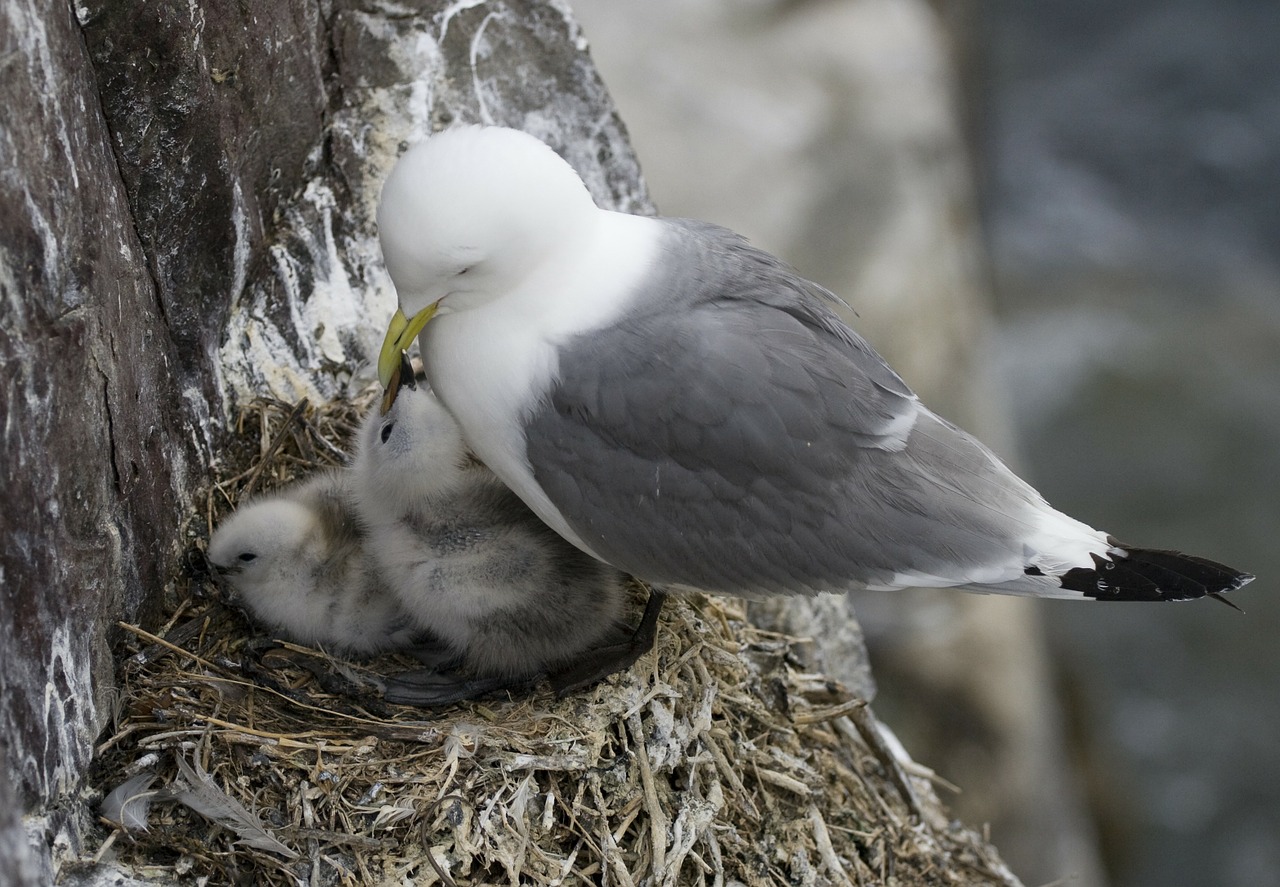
x,y
719,758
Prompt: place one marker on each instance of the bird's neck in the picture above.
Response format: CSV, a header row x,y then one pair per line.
x,y
500,356
586,283
493,364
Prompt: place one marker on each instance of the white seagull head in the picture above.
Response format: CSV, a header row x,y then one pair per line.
x,y
466,216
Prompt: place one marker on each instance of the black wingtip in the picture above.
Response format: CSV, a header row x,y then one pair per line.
x,y
1150,574
1220,599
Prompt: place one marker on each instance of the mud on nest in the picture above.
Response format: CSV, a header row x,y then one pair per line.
x,y
717,759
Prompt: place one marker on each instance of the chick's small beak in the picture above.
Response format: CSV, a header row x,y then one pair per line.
x,y
401,377
400,335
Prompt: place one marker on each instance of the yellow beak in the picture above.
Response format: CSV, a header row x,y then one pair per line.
x,y
400,335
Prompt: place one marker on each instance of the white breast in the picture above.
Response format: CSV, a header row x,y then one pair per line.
x,y
492,365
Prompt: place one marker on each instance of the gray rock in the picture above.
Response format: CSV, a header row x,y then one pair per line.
x,y
99,440
188,195
18,864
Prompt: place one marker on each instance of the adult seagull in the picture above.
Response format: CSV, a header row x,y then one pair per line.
x,y
689,409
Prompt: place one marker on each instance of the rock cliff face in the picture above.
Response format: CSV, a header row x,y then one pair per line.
x,y
101,441
187,195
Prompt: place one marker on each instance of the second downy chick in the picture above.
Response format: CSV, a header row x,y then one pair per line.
x,y
297,561
469,561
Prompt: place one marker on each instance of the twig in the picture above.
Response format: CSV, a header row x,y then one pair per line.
x,y
426,846
275,445
822,838
657,818
830,713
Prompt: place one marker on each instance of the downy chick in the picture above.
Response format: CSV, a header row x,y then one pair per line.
x,y
469,561
298,562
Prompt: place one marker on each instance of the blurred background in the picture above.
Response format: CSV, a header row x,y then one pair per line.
x,y
1129,159
1060,221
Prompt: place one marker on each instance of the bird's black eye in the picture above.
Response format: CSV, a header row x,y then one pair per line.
x,y
248,556
386,431
465,270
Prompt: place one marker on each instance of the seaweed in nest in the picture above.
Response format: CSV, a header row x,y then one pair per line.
x,y
717,758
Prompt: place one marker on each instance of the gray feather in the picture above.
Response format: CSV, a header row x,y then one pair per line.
x,y
205,797
129,803
764,447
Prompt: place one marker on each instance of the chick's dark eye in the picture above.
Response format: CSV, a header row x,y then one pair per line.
x,y
386,431
248,556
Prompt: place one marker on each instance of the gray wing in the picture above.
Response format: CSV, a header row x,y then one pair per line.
x,y
734,435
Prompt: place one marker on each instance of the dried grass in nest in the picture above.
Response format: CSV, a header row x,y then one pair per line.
x,y
715,760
